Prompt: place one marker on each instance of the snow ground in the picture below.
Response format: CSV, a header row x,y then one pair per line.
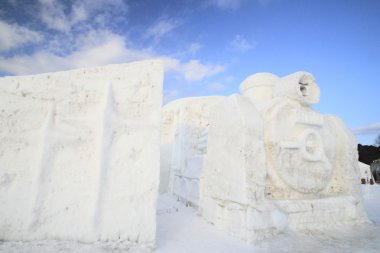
x,y
180,230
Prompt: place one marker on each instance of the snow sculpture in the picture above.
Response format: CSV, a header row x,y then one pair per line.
x,y
273,162
79,154
184,145
366,176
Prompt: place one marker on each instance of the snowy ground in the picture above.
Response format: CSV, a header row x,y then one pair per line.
x,y
179,230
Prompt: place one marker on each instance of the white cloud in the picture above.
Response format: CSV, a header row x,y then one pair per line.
x,y
13,2
160,29
57,16
226,4
110,49
195,71
39,62
171,64
53,16
192,70
97,4
229,79
91,44
104,12
235,4
239,43
79,13
194,47
370,129
13,36
216,86
99,48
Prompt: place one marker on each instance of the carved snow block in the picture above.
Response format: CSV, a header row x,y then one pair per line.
x,y
79,154
233,179
184,145
311,159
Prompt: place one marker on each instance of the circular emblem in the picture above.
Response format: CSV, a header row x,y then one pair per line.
x,y
295,149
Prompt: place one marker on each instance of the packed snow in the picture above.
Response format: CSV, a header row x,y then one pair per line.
x,y
181,230
262,161
79,154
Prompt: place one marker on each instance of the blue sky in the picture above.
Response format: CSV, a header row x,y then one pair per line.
x,y
209,46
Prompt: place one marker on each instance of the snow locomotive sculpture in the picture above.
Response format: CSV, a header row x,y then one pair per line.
x,y
272,162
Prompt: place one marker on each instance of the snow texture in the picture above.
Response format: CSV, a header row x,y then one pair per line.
x,y
272,162
184,146
365,173
181,230
79,154
233,179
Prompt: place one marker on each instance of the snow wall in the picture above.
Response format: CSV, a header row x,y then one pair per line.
x,y
80,154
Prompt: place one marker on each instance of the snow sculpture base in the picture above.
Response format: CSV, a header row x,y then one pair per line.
x,y
320,213
79,154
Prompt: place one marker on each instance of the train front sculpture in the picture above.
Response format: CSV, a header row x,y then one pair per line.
x,y
272,162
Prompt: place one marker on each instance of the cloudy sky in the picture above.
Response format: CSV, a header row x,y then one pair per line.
x,y
209,46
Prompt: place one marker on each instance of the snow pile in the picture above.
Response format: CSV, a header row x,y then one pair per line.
x,y
184,231
79,154
371,195
181,230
